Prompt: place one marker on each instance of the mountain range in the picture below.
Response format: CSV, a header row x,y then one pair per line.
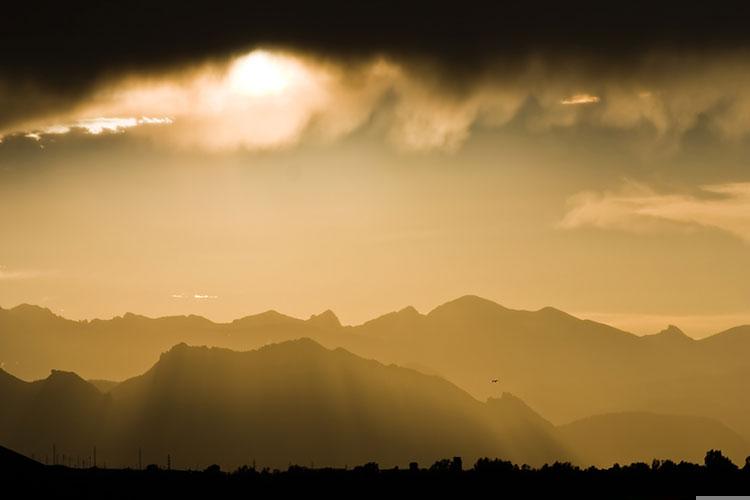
x,y
298,402
294,402
564,367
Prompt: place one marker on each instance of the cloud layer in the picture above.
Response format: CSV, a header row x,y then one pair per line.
x,y
268,99
639,208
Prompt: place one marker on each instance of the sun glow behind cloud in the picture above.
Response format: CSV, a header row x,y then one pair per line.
x,y
261,100
260,73
269,99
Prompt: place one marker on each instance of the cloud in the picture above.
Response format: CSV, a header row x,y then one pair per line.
x,y
197,296
92,126
580,99
549,54
639,208
110,40
19,274
268,98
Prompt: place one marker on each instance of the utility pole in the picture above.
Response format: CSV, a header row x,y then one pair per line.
x,y
169,462
140,460
54,454
94,456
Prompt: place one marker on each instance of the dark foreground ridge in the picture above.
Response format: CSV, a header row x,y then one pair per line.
x,y
448,477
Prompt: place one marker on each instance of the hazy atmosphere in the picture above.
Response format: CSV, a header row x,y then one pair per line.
x,y
276,240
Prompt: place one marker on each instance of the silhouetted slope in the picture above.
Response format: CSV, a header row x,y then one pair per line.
x,y
522,426
104,386
641,437
15,395
299,402
62,410
12,462
568,368
292,402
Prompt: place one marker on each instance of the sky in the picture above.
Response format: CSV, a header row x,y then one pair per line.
x,y
223,162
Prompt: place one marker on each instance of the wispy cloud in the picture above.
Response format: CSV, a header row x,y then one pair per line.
x,y
196,296
201,296
93,126
7,274
637,207
580,99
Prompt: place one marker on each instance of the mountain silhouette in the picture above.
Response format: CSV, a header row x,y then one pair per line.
x,y
669,334
291,402
641,437
564,367
298,402
62,410
12,462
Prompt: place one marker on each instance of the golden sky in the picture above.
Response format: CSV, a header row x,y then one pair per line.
x,y
278,180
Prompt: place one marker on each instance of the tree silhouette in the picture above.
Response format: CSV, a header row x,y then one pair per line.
x,y
715,461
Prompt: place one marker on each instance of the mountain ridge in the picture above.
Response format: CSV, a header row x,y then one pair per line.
x,y
298,401
294,401
567,368
273,316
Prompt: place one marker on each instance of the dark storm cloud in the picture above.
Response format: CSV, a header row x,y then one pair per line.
x,y
53,56
66,45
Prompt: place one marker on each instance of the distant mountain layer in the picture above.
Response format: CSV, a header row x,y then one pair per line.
x,y
297,402
565,367
635,436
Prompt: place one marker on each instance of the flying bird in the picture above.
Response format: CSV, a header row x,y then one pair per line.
x,y
494,381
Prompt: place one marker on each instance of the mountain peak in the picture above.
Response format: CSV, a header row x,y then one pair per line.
x,y
264,319
552,311
32,310
62,376
468,304
670,332
396,321
327,319
409,311
68,385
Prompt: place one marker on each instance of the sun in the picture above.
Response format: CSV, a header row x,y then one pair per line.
x,y
261,73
